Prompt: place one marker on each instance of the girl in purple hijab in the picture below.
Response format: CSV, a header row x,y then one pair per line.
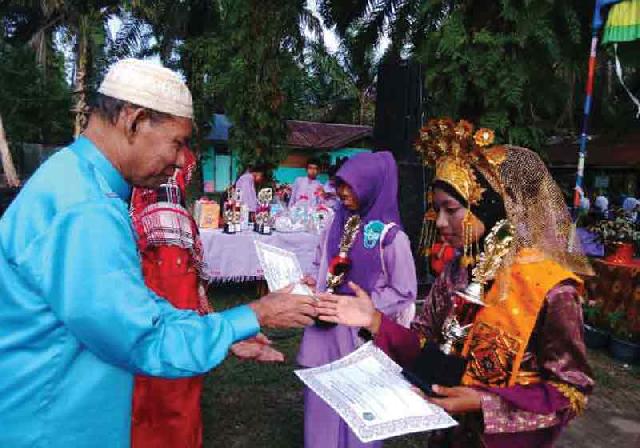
x,y
381,264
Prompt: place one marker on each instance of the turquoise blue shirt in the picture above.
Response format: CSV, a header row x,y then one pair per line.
x,y
76,320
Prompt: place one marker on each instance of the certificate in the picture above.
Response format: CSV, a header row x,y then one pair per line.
x,y
281,268
367,389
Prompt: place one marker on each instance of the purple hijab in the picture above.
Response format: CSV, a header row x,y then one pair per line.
x,y
373,177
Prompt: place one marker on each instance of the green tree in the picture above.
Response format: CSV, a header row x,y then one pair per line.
x,y
507,65
35,108
82,25
249,65
518,66
341,86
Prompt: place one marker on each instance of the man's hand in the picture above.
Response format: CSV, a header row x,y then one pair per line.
x,y
456,400
257,349
357,311
281,309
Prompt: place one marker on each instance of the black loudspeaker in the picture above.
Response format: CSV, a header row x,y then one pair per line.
x,y
399,106
399,97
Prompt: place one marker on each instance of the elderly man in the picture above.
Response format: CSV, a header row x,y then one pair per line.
x,y
76,319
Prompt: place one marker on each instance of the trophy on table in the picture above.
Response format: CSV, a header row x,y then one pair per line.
x,y
262,223
227,216
232,211
237,210
340,264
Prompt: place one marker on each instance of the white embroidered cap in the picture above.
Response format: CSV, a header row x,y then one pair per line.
x,y
150,85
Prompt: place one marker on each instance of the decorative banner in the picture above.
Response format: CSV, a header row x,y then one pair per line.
x,y
623,25
623,22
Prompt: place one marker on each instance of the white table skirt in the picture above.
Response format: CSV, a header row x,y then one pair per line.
x,y
233,258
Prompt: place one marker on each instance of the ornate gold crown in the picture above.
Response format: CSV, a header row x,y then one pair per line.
x,y
454,149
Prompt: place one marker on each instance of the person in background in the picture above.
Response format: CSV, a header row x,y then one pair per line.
x,y
166,412
77,321
585,203
521,362
306,187
630,207
601,206
247,186
381,263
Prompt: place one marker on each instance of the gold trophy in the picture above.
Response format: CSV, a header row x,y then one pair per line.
x,y
340,264
264,196
262,218
496,245
228,219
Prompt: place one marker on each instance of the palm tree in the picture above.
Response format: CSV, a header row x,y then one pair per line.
x,y
83,26
172,23
373,18
351,73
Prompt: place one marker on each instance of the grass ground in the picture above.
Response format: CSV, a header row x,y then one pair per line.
x,y
254,405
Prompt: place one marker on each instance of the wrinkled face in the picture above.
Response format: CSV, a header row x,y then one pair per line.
x,y
451,215
312,171
348,197
157,149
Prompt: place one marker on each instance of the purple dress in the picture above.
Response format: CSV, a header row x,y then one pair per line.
x,y
390,280
246,185
529,416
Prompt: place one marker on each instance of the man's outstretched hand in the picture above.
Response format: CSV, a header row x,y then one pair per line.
x,y
258,349
281,309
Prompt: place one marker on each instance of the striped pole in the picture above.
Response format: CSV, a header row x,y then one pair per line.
x,y
599,14
584,137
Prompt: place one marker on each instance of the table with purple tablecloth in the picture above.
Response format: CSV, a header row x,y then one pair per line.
x,y
233,258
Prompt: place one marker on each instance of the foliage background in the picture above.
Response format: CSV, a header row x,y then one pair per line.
x,y
518,66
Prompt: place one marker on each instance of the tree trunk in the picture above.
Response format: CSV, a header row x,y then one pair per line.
x,y
80,83
7,162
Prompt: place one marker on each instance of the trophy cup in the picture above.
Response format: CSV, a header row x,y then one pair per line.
x,y
496,245
452,333
227,213
237,210
262,220
231,213
340,264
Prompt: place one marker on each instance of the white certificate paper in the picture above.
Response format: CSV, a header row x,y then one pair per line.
x,y
281,268
367,389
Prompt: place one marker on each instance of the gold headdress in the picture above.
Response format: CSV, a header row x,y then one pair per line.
x,y
454,149
457,152
533,202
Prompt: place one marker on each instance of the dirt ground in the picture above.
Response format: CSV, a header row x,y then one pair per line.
x,y
612,418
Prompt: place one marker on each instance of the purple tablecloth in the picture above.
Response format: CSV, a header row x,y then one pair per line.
x,y
233,258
